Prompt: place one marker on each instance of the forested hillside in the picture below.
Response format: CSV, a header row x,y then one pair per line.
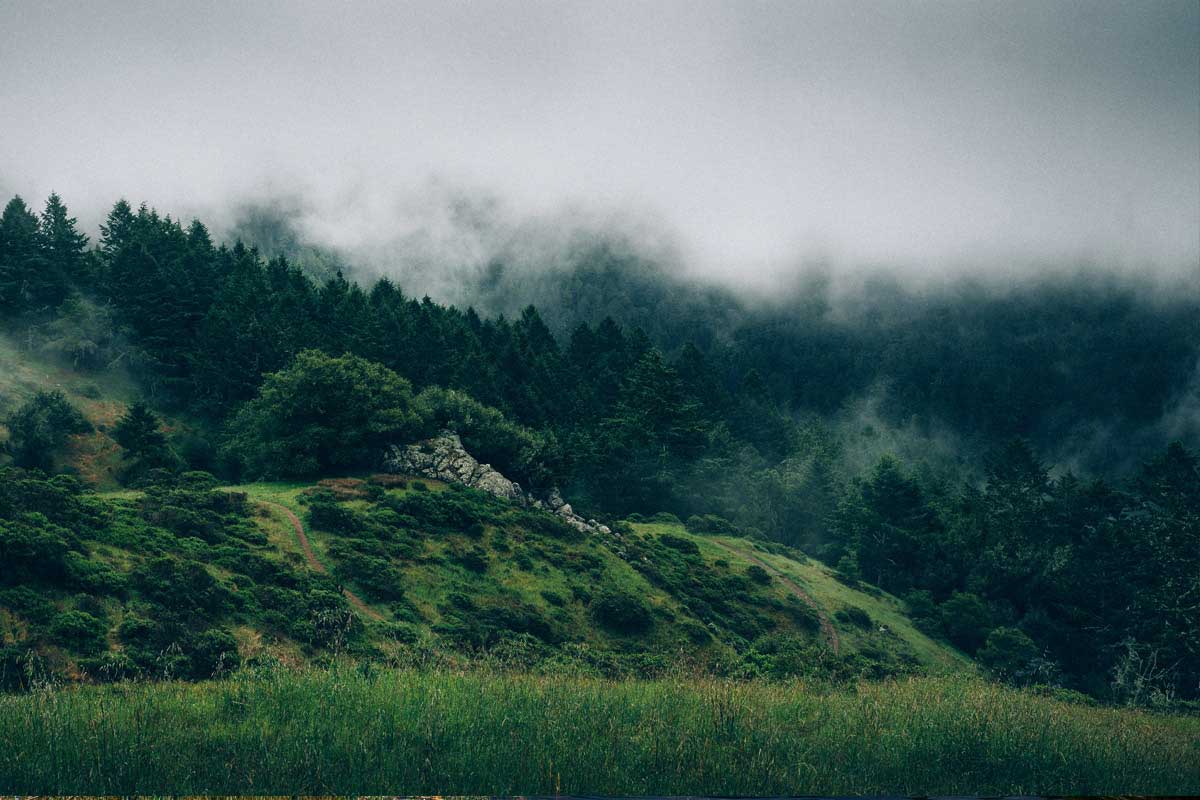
x,y
696,404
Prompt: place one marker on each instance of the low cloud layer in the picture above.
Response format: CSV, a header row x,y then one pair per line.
x,y
738,139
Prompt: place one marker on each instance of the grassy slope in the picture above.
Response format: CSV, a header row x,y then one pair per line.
x,y
102,397
428,584
421,733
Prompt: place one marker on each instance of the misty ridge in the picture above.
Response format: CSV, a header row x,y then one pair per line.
x,y
931,363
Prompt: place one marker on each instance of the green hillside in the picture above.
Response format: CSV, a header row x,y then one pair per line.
x,y
192,580
101,395
701,591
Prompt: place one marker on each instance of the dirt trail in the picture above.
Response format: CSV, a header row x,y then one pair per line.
x,y
826,626
316,565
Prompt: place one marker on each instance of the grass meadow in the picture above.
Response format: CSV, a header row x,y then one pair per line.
x,y
349,731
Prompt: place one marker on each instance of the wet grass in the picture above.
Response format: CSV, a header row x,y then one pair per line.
x,y
348,731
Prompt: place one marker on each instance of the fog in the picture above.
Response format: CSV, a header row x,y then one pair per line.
x,y
741,141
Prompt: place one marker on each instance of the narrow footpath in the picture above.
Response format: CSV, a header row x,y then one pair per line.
x,y
316,565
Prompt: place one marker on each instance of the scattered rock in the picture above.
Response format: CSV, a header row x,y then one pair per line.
x,y
443,458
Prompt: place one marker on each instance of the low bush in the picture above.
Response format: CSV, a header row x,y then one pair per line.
x,y
711,524
621,612
79,631
852,615
757,574
679,543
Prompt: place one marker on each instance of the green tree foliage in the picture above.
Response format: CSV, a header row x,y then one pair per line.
x,y
64,252
648,442
144,445
20,256
320,415
967,620
1008,653
38,429
620,612
83,334
139,432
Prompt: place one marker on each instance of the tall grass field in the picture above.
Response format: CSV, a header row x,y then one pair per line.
x,y
347,731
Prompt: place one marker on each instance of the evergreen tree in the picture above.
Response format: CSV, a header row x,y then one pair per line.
x,y
20,257
38,430
64,254
139,432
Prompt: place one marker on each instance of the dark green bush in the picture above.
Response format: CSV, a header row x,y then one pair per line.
x,y
853,615
966,619
621,612
679,543
93,576
79,631
1007,652
327,515
553,598
711,524
212,653
39,429
474,559
757,574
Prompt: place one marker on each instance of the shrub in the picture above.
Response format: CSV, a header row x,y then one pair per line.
x,y
848,571
1007,652
32,549
182,588
377,577
448,512
553,598
40,427
696,633
757,574
853,615
198,480
966,620
711,524
664,518
679,543
213,653
802,614
546,524
327,515
621,612
92,576
79,631
31,605
473,559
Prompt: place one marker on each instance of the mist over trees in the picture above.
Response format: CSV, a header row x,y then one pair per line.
x,y
637,392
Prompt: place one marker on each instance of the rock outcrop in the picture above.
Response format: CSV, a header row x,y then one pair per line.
x,y
443,458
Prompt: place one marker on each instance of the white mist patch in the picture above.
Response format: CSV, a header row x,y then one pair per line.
x,y
753,137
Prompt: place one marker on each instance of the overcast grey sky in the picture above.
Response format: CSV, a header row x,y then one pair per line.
x,y
748,134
